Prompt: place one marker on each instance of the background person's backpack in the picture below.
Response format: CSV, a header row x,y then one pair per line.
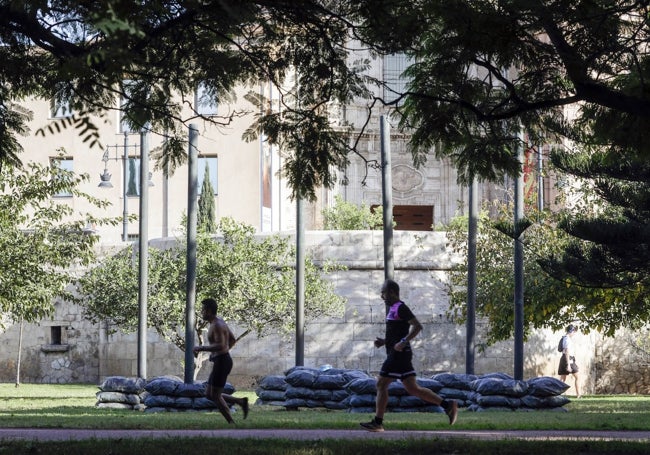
x,y
560,345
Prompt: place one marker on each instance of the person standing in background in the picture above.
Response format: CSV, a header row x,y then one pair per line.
x,y
568,364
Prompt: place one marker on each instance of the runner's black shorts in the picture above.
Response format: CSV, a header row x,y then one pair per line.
x,y
220,370
398,365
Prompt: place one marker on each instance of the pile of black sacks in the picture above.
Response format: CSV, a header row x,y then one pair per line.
x,y
363,392
355,391
303,387
160,394
118,392
502,392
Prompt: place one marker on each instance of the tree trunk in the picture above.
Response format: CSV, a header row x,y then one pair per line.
x,y
20,347
198,363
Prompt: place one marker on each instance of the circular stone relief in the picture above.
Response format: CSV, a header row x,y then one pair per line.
x,y
405,178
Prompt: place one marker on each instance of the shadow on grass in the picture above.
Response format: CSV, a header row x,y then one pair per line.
x,y
320,447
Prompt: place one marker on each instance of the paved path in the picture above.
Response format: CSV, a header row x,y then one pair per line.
x,y
44,434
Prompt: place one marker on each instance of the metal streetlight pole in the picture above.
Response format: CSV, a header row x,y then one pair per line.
x,y
143,271
470,347
106,181
125,202
300,282
540,178
519,269
190,298
143,274
387,196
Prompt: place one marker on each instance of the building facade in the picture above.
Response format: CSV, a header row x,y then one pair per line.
x,y
427,196
243,174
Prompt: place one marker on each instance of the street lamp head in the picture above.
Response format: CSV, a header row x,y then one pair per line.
x,y
105,178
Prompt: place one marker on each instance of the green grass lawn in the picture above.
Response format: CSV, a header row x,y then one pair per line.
x,y
73,406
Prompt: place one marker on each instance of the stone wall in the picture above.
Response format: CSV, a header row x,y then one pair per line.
x,y
622,362
61,350
421,264
87,353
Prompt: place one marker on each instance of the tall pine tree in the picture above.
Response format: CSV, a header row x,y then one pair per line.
x,y
207,211
610,230
611,242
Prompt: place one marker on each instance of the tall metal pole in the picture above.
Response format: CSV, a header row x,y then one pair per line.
x,y
470,347
20,350
300,283
165,195
540,178
125,197
387,197
143,275
192,198
519,269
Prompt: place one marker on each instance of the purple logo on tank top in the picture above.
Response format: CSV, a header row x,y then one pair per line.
x,y
392,312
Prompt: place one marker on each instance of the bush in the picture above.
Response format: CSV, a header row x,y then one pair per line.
x,y
346,216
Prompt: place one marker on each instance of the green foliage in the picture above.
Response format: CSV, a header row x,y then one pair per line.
x,y
608,223
13,119
82,52
81,122
42,240
252,280
345,215
492,77
549,302
207,211
485,72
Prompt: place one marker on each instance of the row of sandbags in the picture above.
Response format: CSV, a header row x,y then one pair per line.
x,y
160,394
118,392
302,387
355,391
502,392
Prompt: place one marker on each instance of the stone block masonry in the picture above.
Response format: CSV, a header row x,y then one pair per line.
x,y
421,262
88,354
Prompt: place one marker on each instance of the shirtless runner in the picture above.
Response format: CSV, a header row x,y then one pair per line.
x,y
220,341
